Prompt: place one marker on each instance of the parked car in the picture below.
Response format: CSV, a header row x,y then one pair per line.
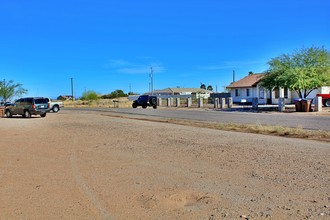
x,y
8,104
145,100
325,99
5,103
55,106
28,106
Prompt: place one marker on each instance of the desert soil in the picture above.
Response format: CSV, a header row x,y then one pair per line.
x,y
90,165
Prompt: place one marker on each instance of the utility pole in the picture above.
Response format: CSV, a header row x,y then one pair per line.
x,y
233,75
151,81
72,88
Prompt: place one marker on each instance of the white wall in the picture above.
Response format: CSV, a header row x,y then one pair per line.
x,y
243,94
325,90
200,95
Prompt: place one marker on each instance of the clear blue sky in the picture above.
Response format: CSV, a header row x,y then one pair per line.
x,y
106,45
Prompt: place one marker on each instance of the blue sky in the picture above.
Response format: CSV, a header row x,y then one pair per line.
x,y
106,45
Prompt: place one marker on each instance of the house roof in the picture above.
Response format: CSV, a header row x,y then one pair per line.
x,y
248,81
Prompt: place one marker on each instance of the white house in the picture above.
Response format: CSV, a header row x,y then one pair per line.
x,y
249,87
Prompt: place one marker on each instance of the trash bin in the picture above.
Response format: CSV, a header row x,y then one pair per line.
x,y
305,105
297,103
2,112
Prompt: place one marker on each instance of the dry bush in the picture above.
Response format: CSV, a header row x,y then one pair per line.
x,y
122,102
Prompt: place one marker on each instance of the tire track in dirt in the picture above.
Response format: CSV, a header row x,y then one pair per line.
x,y
84,186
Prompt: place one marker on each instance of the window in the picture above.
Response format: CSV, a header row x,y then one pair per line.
x,y
237,92
286,93
261,93
247,92
40,101
28,100
19,101
277,93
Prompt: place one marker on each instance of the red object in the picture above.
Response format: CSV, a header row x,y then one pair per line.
x,y
324,96
325,99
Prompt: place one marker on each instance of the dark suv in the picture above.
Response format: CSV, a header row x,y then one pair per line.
x,y
145,100
27,107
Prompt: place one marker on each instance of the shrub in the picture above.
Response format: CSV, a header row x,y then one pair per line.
x,y
115,94
89,95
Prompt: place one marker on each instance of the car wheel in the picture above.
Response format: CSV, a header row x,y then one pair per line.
x,y
27,114
134,105
144,106
327,103
43,115
153,101
55,108
8,114
155,106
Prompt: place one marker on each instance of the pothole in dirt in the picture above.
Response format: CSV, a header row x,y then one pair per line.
x,y
177,200
189,200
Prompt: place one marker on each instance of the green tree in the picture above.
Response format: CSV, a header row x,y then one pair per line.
x,y
9,89
90,95
115,94
302,71
203,86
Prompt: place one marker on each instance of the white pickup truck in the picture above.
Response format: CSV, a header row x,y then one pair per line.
x,y
55,106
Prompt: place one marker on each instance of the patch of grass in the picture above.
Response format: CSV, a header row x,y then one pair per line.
x,y
297,132
257,128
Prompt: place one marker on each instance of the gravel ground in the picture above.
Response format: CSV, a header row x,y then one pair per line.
x,y
89,165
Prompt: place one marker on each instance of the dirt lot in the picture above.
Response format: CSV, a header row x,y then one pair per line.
x,y
93,166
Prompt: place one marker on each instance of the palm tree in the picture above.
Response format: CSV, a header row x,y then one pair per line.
x,y
210,88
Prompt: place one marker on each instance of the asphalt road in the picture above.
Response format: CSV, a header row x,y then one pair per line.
x,y
302,120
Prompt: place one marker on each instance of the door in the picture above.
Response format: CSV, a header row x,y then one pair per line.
x,y
17,108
